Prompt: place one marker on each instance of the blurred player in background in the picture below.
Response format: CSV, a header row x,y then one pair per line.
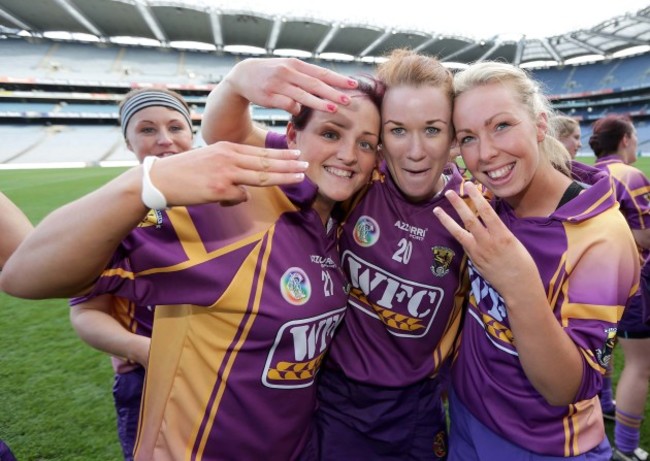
x,y
567,131
614,142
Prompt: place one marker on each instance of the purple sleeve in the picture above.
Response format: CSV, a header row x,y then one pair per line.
x,y
595,299
633,193
275,140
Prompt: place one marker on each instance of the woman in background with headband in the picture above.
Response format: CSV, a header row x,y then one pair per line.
x,y
155,122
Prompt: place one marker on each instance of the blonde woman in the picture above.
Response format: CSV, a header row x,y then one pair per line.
x,y
543,308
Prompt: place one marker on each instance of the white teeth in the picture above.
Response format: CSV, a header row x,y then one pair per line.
x,y
501,172
337,172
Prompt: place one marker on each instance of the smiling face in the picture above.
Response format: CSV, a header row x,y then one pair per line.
x,y
158,131
499,139
341,149
572,141
416,137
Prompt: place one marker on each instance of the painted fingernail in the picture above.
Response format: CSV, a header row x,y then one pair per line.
x,y
331,107
300,176
304,165
345,99
352,83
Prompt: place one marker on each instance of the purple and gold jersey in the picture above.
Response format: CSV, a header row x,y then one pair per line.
x,y
587,261
406,296
248,298
633,194
632,189
405,299
135,318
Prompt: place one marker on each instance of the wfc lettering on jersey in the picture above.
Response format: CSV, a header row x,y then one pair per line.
x,y
304,342
490,311
407,308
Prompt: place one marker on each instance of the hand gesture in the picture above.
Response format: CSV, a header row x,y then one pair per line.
x,y
219,172
288,83
497,254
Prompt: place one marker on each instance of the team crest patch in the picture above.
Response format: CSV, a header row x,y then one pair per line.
x,y
295,286
366,231
153,218
442,258
440,444
604,354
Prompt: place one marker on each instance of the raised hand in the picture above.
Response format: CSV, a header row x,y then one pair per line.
x,y
219,172
280,83
288,83
497,254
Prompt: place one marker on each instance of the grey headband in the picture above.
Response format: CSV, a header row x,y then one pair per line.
x,y
149,99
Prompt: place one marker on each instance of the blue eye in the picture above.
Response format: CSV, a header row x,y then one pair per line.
x,y
365,145
330,135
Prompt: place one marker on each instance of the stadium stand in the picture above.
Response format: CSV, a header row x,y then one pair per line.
x,y
58,98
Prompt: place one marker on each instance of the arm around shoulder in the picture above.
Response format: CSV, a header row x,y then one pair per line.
x,y
96,326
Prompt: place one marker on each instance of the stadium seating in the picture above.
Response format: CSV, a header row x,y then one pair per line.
x,y
58,99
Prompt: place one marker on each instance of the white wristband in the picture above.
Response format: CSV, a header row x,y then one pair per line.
x,y
151,195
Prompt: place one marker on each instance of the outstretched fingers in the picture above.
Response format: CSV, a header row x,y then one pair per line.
x,y
316,87
268,167
489,220
331,78
220,172
479,223
464,237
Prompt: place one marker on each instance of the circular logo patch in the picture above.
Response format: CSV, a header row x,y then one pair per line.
x,y
366,231
295,286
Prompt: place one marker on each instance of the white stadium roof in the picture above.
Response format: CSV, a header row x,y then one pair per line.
x,y
166,22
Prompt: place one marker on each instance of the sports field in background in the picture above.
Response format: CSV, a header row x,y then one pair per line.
x,y
55,392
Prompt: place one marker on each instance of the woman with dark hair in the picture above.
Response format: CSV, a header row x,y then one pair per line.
x,y
614,142
242,267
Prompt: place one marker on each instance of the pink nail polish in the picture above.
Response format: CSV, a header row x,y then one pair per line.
x,y
331,107
352,83
345,99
